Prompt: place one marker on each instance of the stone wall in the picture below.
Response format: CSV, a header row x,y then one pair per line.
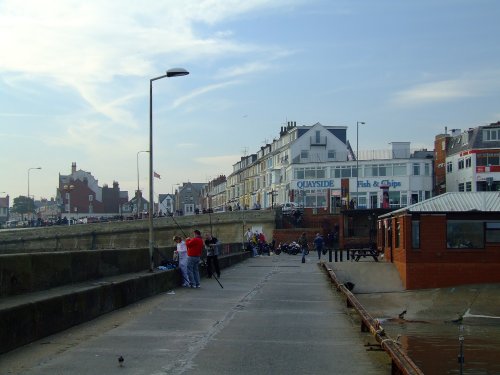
x,y
228,227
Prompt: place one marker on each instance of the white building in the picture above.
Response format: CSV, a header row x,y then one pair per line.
x,y
473,159
315,166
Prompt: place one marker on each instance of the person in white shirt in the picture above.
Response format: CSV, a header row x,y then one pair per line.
x,y
183,258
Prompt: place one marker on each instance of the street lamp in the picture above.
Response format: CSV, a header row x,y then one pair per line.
x,y
29,169
175,72
138,189
68,189
357,160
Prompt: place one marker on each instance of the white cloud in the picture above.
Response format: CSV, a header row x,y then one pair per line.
x,y
435,91
201,91
474,85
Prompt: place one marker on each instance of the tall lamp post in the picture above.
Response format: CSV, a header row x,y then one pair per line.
x,y
175,72
138,189
357,161
29,169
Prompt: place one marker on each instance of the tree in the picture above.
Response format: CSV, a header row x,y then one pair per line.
x,y
23,205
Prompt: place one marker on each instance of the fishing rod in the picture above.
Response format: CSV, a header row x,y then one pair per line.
x,y
175,221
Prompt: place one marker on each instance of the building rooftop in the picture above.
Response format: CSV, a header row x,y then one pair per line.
x,y
484,201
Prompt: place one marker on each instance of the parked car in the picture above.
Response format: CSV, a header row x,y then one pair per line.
x,y
289,207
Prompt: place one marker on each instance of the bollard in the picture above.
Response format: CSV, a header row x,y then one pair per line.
x,y
336,256
330,255
348,254
341,255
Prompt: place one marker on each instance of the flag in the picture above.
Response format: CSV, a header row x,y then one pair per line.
x,y
156,175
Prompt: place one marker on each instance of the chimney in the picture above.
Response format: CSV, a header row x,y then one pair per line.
x,y
73,167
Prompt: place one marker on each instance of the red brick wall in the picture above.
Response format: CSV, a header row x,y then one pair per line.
x,y
436,266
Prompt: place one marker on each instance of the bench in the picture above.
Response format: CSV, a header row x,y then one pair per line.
x,y
356,254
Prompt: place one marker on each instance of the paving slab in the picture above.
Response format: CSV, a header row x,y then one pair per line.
x,y
274,315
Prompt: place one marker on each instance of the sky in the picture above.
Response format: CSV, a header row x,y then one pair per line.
x,y
74,81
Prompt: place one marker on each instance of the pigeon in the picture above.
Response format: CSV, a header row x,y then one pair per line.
x,y
402,315
121,360
350,286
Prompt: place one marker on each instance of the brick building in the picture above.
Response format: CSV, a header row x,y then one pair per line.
x,y
448,240
79,193
4,209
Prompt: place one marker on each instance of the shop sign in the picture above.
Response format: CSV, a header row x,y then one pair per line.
x,y
315,184
379,183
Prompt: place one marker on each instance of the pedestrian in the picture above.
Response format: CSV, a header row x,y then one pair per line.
x,y
194,249
249,236
212,247
183,259
262,243
255,244
318,244
303,246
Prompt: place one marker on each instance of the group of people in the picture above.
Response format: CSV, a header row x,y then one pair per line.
x,y
256,242
189,253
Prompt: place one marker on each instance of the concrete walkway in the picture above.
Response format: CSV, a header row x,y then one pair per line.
x,y
274,315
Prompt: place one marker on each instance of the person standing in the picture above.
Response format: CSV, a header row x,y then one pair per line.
x,y
183,259
194,249
249,236
212,246
255,244
303,246
318,244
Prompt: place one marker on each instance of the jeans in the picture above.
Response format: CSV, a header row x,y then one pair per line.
x,y
194,270
319,250
304,252
254,250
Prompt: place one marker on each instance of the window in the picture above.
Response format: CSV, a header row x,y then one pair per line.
x,y
416,169
340,172
488,159
468,162
427,169
493,231
468,186
461,187
461,164
449,167
399,170
310,173
304,154
464,234
318,136
331,154
299,174
491,134
376,170
415,234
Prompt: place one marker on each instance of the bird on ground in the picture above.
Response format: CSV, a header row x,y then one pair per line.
x,y
402,315
350,286
121,360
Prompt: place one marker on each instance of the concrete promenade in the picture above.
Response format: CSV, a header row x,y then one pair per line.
x,y
274,315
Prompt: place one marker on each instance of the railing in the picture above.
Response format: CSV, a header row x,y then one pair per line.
x,y
401,362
